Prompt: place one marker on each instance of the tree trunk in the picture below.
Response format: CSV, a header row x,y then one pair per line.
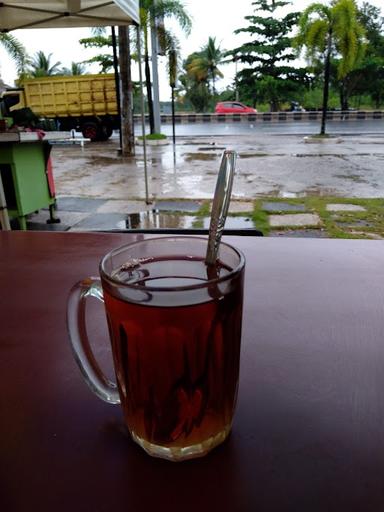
x,y
327,71
343,91
148,85
117,78
126,116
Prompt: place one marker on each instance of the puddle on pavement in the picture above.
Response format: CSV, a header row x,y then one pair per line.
x,y
155,219
232,223
352,177
311,191
212,148
253,155
189,157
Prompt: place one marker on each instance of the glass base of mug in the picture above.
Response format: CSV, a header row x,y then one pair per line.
x,y
182,453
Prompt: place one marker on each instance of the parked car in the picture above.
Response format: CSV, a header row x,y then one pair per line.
x,y
233,107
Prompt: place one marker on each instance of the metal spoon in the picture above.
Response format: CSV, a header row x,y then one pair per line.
x,y
220,204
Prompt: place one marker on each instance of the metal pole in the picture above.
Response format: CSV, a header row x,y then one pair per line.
x,y
155,78
173,116
142,115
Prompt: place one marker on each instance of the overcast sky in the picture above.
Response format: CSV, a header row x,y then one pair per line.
x,y
213,18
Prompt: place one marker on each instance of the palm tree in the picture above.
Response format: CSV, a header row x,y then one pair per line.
x,y
77,68
40,65
151,11
15,50
327,31
214,56
205,65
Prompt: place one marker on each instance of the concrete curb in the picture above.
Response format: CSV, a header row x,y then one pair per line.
x,y
271,117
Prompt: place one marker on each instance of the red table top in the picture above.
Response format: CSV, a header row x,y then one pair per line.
x,y
309,428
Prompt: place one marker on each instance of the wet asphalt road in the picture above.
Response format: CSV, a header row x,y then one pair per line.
x,y
300,127
279,165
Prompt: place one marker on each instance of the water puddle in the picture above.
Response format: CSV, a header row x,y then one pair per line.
x,y
233,223
155,219
254,155
189,157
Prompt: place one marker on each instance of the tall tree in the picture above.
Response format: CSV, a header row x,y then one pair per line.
x,y
41,65
206,64
368,78
194,82
266,74
327,31
151,11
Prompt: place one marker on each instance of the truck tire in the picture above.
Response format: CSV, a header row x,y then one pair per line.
x,y
90,130
105,131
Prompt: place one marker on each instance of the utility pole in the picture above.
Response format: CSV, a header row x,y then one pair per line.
x,y
126,94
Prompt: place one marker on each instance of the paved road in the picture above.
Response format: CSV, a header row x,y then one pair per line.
x,y
299,127
269,164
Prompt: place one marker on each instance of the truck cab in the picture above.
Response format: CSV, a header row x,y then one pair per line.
x,y
11,99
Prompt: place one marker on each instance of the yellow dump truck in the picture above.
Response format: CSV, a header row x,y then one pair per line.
x,y
86,103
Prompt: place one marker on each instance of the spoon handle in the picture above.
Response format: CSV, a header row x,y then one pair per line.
x,y
220,204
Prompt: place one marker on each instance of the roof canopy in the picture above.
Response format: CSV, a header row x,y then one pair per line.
x,y
17,14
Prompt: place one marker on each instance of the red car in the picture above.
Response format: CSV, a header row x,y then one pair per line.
x,y
233,107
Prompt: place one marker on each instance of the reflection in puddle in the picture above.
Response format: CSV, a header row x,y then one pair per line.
x,y
233,223
155,219
199,156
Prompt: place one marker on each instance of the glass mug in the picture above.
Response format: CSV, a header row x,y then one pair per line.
x,y
175,330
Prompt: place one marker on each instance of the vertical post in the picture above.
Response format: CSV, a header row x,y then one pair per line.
x,y
155,78
4,219
126,119
142,115
173,115
117,80
327,72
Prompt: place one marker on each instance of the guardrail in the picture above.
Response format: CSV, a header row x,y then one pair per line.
x,y
272,117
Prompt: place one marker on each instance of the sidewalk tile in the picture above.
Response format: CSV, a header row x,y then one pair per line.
x,y
298,219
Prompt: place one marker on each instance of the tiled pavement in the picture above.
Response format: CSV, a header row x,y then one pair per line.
x,y
87,214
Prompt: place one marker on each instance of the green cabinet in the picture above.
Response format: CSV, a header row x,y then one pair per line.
x,y
24,177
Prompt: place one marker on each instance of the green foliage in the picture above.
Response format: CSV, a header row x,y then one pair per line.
x,y
267,75
77,68
154,136
332,35
15,50
40,65
312,99
99,40
201,69
368,78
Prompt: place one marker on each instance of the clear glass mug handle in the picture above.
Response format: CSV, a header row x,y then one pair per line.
x,y
94,377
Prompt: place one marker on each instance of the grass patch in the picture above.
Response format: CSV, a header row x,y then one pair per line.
x,y
260,218
373,216
204,210
154,136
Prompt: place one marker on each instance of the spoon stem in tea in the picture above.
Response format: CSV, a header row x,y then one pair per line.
x,y
220,204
